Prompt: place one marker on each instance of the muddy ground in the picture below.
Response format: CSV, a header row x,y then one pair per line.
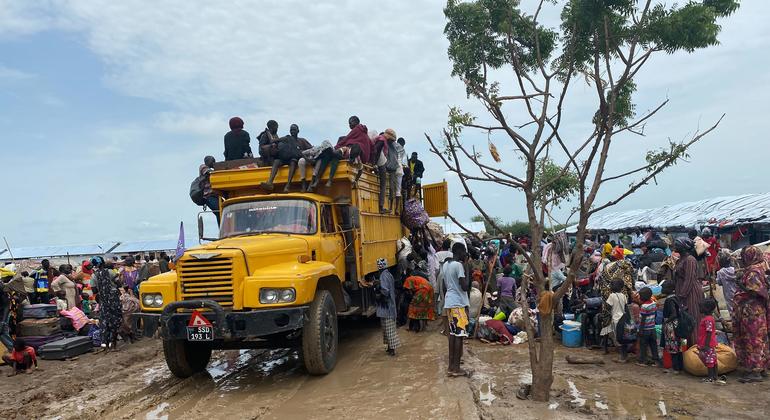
x,y
134,383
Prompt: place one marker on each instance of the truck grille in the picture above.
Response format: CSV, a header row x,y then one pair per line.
x,y
207,279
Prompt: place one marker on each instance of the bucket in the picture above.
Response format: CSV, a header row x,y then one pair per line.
x,y
571,334
656,289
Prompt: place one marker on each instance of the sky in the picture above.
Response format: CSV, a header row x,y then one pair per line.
x,y
107,108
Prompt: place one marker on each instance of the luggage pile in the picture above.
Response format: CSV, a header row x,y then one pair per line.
x,y
40,325
41,328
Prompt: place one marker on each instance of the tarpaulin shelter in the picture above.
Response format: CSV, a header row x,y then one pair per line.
x,y
747,214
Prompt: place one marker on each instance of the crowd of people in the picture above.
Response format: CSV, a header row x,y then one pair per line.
x,y
649,294
384,151
95,299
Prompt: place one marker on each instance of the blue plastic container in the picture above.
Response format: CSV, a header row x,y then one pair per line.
x,y
571,334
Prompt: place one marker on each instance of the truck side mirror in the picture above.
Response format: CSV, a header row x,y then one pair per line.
x,y
201,234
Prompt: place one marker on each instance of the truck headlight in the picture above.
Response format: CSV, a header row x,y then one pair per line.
x,y
287,295
152,300
270,296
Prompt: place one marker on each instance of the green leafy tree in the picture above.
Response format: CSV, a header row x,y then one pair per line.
x,y
604,42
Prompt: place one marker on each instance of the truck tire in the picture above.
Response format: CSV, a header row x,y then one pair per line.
x,y
186,358
319,335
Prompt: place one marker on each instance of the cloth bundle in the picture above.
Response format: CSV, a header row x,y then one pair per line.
x,y
414,215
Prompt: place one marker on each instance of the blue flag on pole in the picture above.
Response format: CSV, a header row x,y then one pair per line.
x,y
180,243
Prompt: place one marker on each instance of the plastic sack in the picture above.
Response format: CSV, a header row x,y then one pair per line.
x,y
727,361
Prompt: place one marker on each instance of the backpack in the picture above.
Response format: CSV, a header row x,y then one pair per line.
x,y
685,322
392,164
627,331
196,191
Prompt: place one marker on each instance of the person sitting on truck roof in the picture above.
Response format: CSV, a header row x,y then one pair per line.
x,y
359,136
268,143
320,157
237,141
289,152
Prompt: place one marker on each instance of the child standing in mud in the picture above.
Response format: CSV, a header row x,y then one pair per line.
x,y
670,341
707,341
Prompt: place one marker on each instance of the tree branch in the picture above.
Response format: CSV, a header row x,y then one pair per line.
x,y
662,165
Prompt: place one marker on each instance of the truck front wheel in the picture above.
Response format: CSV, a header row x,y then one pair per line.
x,y
319,335
186,358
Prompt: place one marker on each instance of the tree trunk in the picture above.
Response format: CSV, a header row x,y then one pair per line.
x,y
542,372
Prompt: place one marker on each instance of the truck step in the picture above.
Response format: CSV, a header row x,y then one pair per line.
x,y
353,310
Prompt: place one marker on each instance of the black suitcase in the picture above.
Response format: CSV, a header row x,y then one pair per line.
x,y
68,347
38,311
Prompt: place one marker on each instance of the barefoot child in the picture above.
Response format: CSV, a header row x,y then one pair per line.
x,y
22,358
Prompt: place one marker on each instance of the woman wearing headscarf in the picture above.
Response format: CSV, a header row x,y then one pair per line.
x,y
689,288
111,311
64,283
129,274
421,307
751,316
620,269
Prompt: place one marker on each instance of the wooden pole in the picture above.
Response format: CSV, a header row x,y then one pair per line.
x,y
490,273
9,249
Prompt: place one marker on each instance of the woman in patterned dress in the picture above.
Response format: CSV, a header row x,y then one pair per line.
x,y
751,316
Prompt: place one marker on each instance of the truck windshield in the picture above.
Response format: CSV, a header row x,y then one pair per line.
x,y
269,216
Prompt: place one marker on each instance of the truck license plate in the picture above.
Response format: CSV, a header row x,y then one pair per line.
x,y
200,334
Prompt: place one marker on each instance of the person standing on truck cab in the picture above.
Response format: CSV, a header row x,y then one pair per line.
x,y
212,201
456,304
386,163
401,158
417,169
289,153
268,143
237,141
385,295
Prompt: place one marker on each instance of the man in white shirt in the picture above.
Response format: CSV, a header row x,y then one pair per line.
x,y
456,304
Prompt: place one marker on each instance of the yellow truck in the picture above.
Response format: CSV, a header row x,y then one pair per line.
x,y
283,268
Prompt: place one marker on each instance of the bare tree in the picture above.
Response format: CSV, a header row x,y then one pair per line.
x,y
605,44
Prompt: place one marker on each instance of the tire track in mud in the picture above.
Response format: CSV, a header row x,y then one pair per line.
x,y
134,383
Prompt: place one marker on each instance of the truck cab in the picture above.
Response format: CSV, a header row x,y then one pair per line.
x,y
281,270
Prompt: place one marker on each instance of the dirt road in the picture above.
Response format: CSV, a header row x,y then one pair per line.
x,y
134,383
248,384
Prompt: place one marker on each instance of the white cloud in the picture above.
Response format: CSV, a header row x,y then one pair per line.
x,y
316,63
9,74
